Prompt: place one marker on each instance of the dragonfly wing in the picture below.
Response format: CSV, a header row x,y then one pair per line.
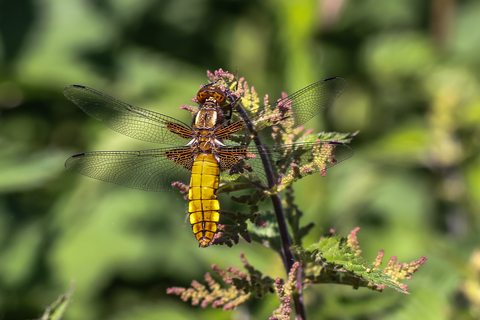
x,y
310,101
148,170
289,162
126,119
303,104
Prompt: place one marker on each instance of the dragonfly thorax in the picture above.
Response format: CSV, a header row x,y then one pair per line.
x,y
204,140
206,119
206,145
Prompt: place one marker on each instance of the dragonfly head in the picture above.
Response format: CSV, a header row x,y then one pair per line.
x,y
211,93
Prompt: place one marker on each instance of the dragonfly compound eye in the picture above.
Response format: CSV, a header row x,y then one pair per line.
x,y
219,97
202,96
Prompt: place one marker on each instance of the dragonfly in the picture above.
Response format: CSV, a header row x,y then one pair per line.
x,y
215,148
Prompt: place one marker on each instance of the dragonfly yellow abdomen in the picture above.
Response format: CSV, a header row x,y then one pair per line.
x,y
203,206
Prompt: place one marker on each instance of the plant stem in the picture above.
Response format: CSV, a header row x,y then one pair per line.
x,y
288,257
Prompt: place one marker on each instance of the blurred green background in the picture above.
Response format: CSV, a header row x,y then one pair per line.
x,y
413,185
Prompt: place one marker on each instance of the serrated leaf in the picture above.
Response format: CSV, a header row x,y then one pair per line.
x,y
332,260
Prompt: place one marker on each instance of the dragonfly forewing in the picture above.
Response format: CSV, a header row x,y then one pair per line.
x,y
301,106
126,119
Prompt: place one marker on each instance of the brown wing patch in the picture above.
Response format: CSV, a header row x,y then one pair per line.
x,y
183,157
179,130
230,156
226,132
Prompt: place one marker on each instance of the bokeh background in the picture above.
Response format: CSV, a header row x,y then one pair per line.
x,y
413,185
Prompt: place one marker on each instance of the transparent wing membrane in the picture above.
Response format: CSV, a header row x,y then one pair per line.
x,y
148,170
126,119
302,105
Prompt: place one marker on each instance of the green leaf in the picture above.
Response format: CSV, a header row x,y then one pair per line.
x,y
336,259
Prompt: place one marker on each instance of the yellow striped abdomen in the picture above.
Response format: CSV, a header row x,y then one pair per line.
x,y
203,206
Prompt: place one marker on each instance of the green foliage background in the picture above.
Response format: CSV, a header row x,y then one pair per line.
x,y
413,185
